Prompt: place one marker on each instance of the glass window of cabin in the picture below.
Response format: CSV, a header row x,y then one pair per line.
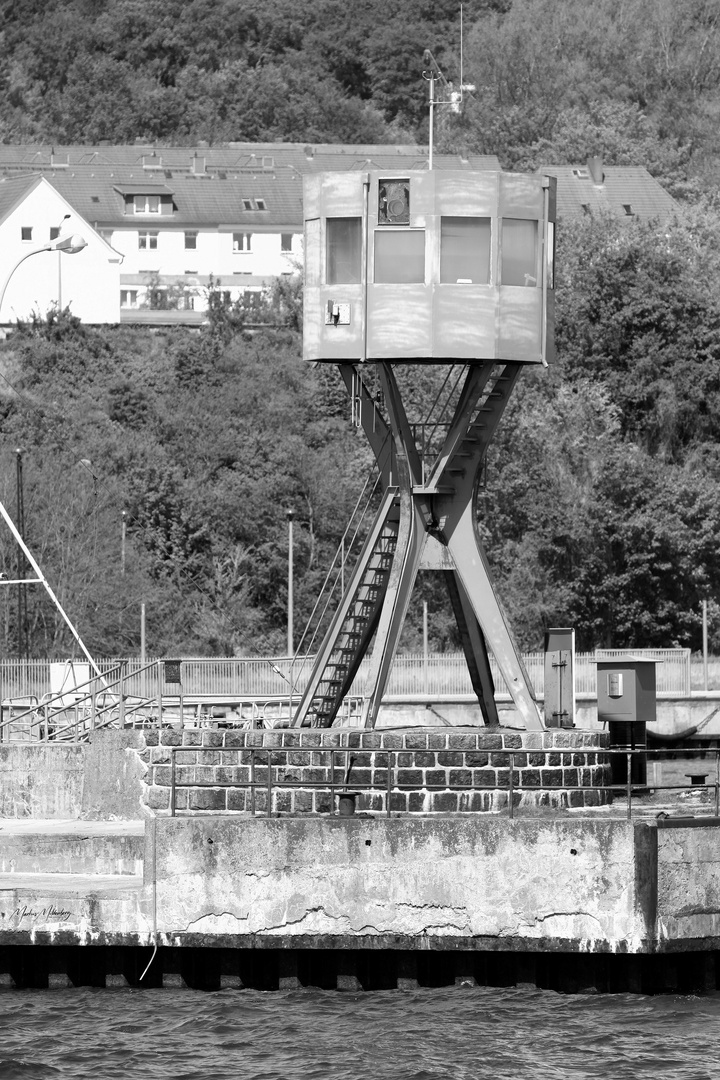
x,y
519,252
343,250
399,257
465,250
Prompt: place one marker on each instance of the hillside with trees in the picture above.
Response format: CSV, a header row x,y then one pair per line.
x,y
600,502
553,80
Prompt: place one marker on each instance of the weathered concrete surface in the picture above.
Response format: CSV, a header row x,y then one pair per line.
x,y
578,885
28,846
97,780
688,884
73,909
482,884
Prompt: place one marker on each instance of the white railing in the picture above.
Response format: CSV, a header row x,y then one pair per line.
x,y
437,675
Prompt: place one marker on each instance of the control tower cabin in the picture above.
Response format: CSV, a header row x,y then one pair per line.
x,y
442,266
439,267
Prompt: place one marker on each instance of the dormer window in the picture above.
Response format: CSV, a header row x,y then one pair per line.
x,y
582,174
629,212
260,204
147,204
247,204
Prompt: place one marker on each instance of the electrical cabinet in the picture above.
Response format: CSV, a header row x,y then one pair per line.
x,y
627,701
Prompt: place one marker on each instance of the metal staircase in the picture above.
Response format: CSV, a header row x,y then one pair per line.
x,y
354,623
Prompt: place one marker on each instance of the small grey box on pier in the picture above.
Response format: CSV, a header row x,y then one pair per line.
x,y
627,700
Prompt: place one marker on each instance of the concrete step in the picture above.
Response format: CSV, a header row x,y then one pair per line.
x,y
100,848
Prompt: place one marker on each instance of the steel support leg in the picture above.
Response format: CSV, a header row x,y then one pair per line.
x,y
474,647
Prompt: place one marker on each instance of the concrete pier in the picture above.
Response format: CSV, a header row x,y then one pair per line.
x,y
555,896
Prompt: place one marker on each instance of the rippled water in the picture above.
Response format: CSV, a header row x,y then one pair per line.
x,y
454,1034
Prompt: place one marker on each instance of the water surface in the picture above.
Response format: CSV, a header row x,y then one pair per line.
x,y
459,1033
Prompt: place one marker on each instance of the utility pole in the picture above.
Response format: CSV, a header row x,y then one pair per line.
x,y
22,627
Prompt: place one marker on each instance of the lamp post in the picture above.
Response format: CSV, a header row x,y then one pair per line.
x,y
70,245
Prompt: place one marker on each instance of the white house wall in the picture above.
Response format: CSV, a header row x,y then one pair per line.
x,y
215,255
87,282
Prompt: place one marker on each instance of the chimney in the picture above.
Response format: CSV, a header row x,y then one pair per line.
x,y
595,168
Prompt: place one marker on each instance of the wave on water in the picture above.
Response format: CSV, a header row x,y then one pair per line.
x,y
456,1033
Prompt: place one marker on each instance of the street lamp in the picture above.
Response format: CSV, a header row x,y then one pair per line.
x,y
70,245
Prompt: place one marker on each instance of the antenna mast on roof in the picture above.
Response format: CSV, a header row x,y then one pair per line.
x,y
431,72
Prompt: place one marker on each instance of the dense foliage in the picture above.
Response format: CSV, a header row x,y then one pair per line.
x,y
600,504
553,80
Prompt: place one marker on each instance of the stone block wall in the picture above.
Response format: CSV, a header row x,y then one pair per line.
x,y
432,770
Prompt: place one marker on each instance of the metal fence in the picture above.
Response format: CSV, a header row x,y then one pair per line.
x,y
436,675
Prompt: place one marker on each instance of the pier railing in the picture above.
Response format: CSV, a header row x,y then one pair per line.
x,y
629,781
233,678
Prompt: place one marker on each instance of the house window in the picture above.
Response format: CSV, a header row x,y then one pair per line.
x,y
190,241
343,250
147,204
286,240
247,204
242,241
148,241
519,252
260,203
465,250
128,298
400,257
26,232
54,232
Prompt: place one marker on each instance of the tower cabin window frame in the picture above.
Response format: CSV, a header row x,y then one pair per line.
x,y
520,252
465,250
343,250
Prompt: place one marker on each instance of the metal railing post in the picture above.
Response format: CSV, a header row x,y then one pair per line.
x,y
172,781
269,782
511,789
121,701
252,779
389,780
717,782
159,692
332,781
629,784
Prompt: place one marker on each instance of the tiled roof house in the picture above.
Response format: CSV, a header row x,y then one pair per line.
x,y
35,274
626,191
181,216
